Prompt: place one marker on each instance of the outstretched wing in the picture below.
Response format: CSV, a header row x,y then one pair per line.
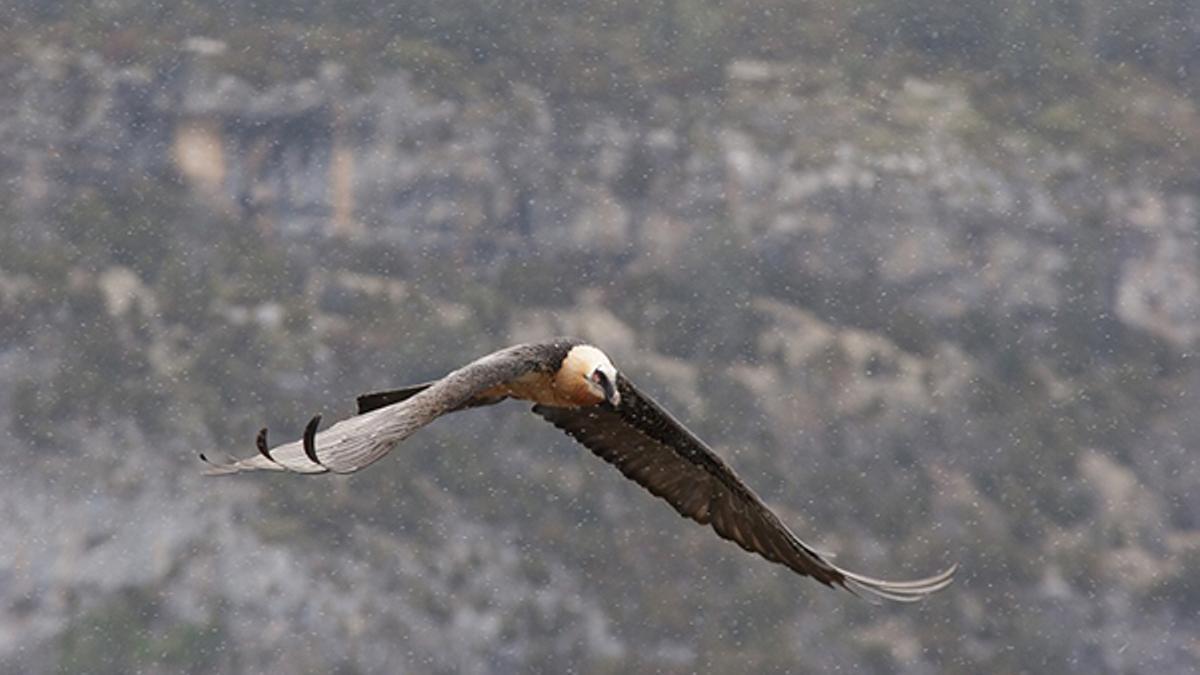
x,y
356,442
651,447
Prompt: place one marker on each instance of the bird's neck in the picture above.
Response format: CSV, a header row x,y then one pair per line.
x,y
561,389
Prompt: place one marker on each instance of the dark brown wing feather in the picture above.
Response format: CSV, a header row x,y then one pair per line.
x,y
382,399
650,447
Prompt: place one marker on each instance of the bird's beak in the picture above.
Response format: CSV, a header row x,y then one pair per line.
x,y
610,392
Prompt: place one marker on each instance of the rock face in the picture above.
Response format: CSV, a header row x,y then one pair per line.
x,y
910,336
1157,289
904,205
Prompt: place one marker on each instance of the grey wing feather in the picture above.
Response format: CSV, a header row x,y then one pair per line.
x,y
358,441
652,448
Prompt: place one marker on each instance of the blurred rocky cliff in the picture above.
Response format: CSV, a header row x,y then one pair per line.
x,y
902,194
922,335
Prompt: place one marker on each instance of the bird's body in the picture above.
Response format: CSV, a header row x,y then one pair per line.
x,y
575,386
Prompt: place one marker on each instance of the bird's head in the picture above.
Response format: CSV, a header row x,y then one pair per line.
x,y
589,374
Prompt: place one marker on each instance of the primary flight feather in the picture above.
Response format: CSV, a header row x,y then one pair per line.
x,y
575,387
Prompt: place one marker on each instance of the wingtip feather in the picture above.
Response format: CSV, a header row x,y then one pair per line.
x,y
256,463
899,591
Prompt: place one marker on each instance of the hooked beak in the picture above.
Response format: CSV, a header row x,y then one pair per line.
x,y
611,395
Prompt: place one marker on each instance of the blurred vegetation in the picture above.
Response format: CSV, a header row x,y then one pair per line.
x,y
125,635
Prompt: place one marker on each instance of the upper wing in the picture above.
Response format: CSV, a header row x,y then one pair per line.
x,y
358,441
649,446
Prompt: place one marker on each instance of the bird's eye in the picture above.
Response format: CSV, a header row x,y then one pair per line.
x,y
599,377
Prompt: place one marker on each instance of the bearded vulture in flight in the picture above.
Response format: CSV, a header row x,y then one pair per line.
x,y
575,387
